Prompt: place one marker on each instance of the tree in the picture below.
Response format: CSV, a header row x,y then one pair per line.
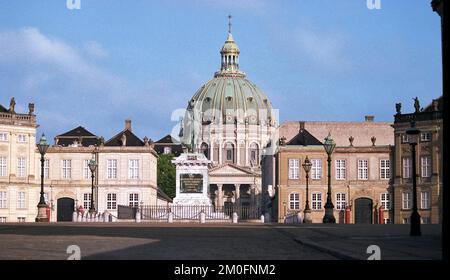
x,y
166,174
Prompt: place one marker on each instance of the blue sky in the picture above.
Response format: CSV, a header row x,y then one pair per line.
x,y
317,60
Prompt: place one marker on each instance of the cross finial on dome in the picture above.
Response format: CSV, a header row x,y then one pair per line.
x,y
229,23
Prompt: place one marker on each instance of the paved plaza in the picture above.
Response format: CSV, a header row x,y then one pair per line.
x,y
214,241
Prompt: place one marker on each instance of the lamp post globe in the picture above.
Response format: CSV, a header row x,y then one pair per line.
x,y
413,133
329,146
92,166
307,212
42,206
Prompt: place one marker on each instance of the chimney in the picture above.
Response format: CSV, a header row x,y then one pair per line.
x,y
301,126
128,124
369,118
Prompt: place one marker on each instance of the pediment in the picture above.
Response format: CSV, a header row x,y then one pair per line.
x,y
230,170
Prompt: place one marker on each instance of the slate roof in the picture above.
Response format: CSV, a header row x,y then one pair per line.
x,y
79,134
168,139
131,139
3,109
304,138
162,195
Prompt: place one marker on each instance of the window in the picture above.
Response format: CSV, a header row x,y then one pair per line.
x,y
387,221
133,200
406,168
363,169
3,167
316,201
316,169
294,201
340,201
385,171
133,172
253,155
21,219
405,220
21,168
254,158
425,200
425,220
21,200
426,166
86,169
67,169
425,136
111,201
2,219
229,152
293,169
205,149
46,168
87,200
167,150
406,201
21,138
385,201
112,169
405,138
340,169
3,136
3,200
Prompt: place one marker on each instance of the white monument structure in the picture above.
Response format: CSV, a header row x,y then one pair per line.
x,y
192,181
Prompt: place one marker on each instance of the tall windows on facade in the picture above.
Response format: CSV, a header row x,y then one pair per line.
x,y
4,136
341,201
133,200
67,168
363,169
385,201
87,197
406,168
21,166
111,201
21,200
21,138
229,152
254,155
316,200
86,169
425,163
425,136
111,166
406,200
133,169
3,167
405,138
3,199
340,169
294,201
294,169
205,149
46,168
425,200
316,169
385,171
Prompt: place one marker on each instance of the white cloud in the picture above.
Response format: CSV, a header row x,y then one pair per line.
x,y
95,49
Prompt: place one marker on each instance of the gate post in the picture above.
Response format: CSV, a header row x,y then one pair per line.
x,y
138,216
262,218
74,216
202,217
235,218
170,218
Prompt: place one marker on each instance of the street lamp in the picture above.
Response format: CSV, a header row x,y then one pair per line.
x,y
92,166
329,146
307,166
42,206
413,132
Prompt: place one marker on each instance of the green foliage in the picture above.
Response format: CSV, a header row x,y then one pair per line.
x,y
166,174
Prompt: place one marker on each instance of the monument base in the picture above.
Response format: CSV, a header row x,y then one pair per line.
x,y
191,201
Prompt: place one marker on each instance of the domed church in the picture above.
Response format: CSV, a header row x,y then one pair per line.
x,y
230,120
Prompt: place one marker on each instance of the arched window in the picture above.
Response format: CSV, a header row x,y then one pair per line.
x,y
294,201
254,154
205,149
229,152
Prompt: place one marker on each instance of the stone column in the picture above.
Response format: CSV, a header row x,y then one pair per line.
x,y
219,195
220,153
253,195
211,150
238,194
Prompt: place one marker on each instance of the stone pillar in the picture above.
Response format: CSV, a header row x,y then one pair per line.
x,y
211,150
220,153
219,196
253,195
237,200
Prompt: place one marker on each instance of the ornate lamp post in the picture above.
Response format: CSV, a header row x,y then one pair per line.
x,y
329,146
307,166
92,166
42,206
413,132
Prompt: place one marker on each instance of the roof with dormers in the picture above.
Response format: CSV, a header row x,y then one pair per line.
x,y
131,140
78,135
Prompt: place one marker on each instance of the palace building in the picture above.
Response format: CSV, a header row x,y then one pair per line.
x,y
230,120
